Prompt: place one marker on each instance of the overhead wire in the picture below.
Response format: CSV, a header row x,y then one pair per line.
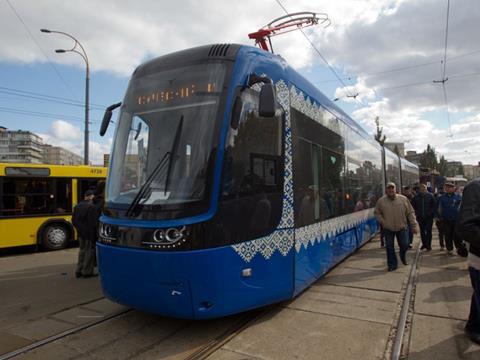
x,y
444,78
40,114
49,61
50,98
426,82
330,67
403,68
384,72
446,41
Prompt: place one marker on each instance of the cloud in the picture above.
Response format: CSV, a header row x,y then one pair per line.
x,y
120,35
391,49
64,134
461,143
64,130
401,40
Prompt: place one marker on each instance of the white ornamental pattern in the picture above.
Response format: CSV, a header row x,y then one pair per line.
x,y
312,234
282,240
283,99
302,103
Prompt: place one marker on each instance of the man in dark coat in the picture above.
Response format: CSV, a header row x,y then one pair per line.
x,y
84,219
468,227
425,209
448,208
438,222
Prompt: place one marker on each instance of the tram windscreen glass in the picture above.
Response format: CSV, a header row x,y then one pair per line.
x,y
165,138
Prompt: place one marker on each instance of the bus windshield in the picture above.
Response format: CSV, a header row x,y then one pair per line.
x,y
165,139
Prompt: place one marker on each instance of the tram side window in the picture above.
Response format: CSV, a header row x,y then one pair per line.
x,y
23,197
364,173
253,172
333,175
392,170
305,192
318,171
355,199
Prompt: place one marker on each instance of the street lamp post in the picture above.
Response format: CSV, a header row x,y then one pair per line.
x,y
84,56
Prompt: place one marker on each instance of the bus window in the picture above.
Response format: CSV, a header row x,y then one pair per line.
x,y
35,196
63,196
84,185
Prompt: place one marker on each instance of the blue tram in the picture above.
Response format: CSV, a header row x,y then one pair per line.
x,y
233,183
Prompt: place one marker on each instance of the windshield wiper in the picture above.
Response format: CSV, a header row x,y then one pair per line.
x,y
173,153
160,166
145,187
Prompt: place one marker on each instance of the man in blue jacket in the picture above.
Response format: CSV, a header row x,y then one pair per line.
x,y
425,210
448,208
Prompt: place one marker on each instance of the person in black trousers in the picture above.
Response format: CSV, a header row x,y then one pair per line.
x,y
425,210
468,227
448,208
439,224
84,219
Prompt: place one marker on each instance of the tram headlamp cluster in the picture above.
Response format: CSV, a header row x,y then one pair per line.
x,y
108,232
168,238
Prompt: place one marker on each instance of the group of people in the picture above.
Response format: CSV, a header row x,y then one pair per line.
x,y
403,215
443,208
458,221
85,219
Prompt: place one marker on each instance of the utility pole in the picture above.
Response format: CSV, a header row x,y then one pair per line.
x,y
83,54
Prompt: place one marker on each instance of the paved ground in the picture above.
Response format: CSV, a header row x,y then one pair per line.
x,y
442,304
346,315
40,296
349,314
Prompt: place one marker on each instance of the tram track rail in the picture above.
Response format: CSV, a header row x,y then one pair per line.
x,y
216,343
398,350
63,334
202,352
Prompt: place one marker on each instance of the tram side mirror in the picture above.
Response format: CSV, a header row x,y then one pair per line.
x,y
137,131
266,106
106,118
236,112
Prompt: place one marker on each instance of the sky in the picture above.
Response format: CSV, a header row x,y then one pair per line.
x,y
380,58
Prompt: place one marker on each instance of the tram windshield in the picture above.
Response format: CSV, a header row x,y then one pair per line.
x,y
163,150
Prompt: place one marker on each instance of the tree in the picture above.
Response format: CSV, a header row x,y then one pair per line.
x,y
429,158
379,136
442,166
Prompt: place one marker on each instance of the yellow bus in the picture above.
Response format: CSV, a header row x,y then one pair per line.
x,y
36,202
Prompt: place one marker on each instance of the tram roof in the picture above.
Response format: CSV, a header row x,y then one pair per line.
x,y
229,52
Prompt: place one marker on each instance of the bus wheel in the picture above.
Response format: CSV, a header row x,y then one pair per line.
x,y
55,237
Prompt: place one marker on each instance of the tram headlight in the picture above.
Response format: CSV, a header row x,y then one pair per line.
x,y
107,232
168,238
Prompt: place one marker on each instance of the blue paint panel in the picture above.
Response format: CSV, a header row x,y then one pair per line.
x,y
192,285
312,263
317,259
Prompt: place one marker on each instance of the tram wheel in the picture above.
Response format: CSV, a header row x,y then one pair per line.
x,y
55,237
